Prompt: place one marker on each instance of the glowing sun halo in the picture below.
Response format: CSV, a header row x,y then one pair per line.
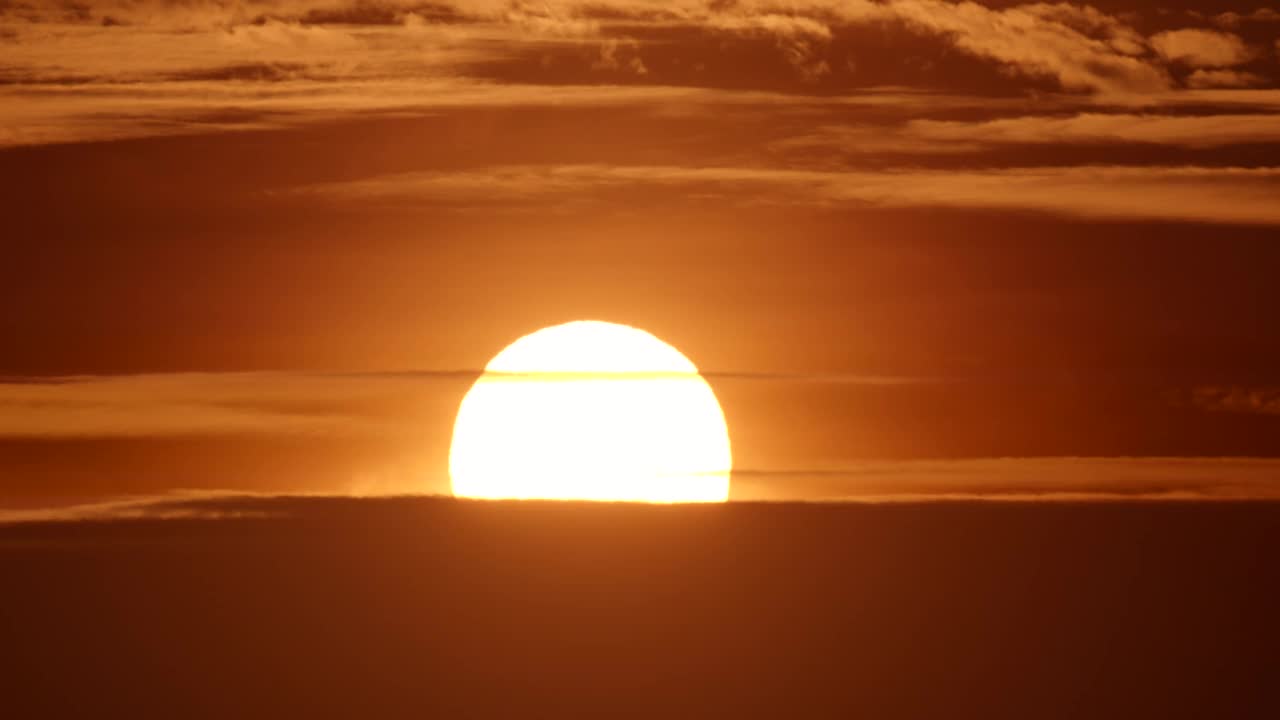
x,y
593,411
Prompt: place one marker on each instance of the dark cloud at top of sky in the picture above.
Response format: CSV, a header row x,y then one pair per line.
x,y
67,77
819,43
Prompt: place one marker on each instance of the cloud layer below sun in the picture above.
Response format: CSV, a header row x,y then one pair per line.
x,y
1049,479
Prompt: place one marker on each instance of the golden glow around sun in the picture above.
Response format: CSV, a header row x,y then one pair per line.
x,y
591,411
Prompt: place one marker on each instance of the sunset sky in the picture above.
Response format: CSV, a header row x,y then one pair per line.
x,y
918,248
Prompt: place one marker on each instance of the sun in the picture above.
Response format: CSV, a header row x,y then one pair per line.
x,y
591,410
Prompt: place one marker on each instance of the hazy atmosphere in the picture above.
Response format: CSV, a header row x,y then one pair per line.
x,y
639,359
917,248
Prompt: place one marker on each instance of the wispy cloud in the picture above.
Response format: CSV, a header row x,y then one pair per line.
x,y
71,113
1038,479
1078,46
1261,99
283,403
1029,479
198,404
1233,399
950,136
1201,48
1233,19
177,505
1194,131
1229,195
1224,79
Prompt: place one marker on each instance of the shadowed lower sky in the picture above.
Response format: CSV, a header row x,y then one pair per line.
x,y
265,246
413,607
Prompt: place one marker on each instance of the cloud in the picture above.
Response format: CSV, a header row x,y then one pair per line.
x,y
230,98
1224,79
1017,479
553,19
800,40
1227,195
147,53
1038,40
135,68
620,56
1028,479
1234,19
277,403
1233,399
1080,47
201,14
1228,99
1192,131
57,113
177,505
200,404
1093,23
1201,48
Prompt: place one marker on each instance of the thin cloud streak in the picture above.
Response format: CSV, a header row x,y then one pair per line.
x,y
189,404
177,505
927,137
1026,479
1224,79
1223,195
1223,99
59,114
1232,399
1090,128
1020,478
281,403
65,113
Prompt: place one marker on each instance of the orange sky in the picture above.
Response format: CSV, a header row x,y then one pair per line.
x,y
262,245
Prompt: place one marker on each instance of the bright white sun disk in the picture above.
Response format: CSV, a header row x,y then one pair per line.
x,y
593,411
